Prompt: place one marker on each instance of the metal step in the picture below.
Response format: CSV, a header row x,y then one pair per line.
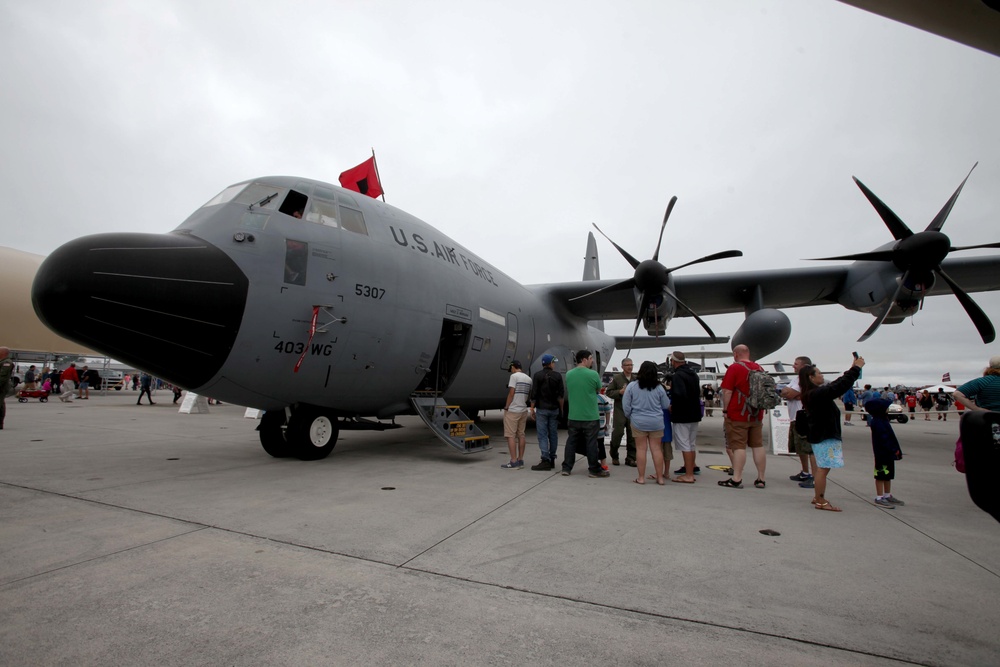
x,y
449,423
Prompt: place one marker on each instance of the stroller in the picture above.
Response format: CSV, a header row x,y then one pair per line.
x,y
41,394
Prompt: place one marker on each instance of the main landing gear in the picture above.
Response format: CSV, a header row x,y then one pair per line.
x,y
309,435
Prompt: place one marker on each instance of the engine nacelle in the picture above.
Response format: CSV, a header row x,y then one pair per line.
x,y
764,331
658,315
869,294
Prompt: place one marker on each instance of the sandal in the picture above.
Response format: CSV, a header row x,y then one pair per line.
x,y
732,484
827,506
638,481
759,483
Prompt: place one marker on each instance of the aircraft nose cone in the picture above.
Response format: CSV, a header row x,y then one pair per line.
x,y
169,304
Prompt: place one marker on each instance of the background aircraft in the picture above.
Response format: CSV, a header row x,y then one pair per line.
x,y
325,308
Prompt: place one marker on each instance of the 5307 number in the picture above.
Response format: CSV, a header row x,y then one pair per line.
x,y
369,291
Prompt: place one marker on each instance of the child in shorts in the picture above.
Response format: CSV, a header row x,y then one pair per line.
x,y
886,449
604,407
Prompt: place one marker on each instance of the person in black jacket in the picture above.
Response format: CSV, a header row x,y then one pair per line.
x,y
824,422
685,412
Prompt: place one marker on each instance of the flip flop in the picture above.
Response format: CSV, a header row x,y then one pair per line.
x,y
661,482
828,507
638,481
683,481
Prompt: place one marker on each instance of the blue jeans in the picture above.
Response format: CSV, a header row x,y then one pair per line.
x,y
582,437
547,423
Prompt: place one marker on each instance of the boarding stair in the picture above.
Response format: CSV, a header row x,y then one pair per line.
x,y
449,423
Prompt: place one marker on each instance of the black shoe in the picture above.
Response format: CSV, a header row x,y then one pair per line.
x,y
682,470
615,462
599,473
728,471
545,464
630,462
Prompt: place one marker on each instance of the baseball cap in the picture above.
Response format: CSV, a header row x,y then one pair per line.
x,y
677,357
515,364
548,359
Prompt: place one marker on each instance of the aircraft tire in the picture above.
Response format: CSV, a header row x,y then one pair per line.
x,y
272,436
312,434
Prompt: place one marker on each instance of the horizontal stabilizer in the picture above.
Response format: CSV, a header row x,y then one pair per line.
x,y
623,342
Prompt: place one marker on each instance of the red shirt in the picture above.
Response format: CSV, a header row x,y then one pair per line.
x,y
70,374
737,380
911,401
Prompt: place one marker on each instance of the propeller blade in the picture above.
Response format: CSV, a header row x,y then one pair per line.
x,y
623,284
885,311
874,256
976,313
974,247
896,226
643,304
629,258
709,258
938,222
670,207
700,321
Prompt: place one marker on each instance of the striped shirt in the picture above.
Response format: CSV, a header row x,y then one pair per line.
x,y
985,391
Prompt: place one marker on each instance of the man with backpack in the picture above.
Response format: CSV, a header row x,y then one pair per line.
x,y
744,412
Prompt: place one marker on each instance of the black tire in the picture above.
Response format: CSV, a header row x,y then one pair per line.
x,y
43,399
312,434
272,434
22,400
903,419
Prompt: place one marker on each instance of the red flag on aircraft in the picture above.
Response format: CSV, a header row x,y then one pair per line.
x,y
363,179
946,377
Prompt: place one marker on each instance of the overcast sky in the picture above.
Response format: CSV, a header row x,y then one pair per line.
x,y
512,126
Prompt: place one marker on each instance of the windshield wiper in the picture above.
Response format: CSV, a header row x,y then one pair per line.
x,y
264,201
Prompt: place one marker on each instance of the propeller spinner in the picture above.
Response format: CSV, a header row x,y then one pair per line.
x,y
921,254
652,278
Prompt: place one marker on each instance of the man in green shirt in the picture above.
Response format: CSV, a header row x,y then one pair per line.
x,y
583,384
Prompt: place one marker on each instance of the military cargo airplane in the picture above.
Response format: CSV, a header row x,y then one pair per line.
x,y
326,308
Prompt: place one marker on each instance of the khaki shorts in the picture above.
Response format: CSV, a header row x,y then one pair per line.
x,y
740,435
668,451
514,423
654,436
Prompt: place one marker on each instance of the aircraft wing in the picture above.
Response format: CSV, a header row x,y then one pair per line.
x,y
975,23
718,293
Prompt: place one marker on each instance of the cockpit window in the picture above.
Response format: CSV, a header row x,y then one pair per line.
x,y
261,196
322,213
294,204
353,221
226,195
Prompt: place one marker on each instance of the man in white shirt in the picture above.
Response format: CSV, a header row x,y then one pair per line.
x,y
515,416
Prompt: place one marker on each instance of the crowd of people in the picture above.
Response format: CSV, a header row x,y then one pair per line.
x,y
656,418
69,384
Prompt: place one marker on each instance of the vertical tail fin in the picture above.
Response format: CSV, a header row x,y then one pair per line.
x,y
591,268
592,271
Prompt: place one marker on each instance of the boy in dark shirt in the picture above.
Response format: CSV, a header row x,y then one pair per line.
x,y
886,449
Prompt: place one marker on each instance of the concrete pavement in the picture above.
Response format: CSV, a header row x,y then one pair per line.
x,y
136,535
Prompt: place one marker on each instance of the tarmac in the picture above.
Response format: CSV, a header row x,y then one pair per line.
x,y
135,535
